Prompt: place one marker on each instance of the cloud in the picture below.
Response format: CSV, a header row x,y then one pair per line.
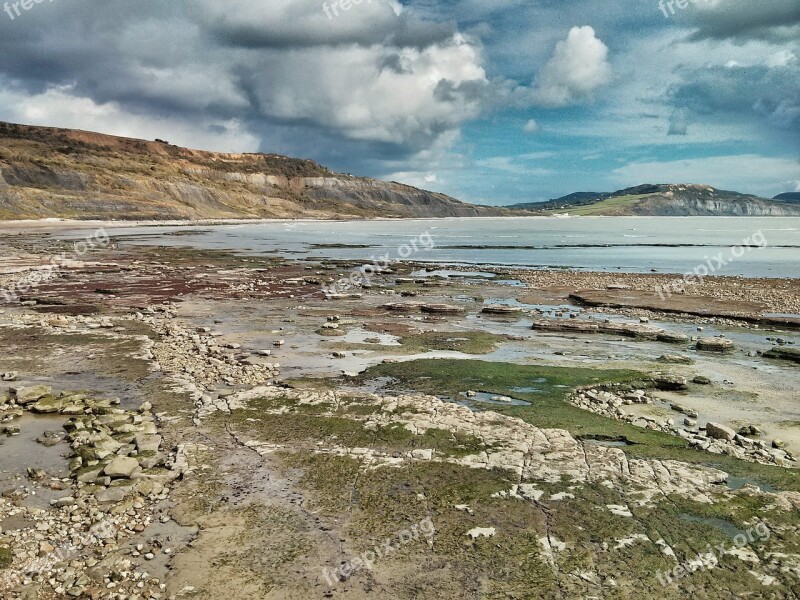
x,y
59,106
310,23
510,164
770,94
750,173
531,126
395,95
744,19
678,122
578,67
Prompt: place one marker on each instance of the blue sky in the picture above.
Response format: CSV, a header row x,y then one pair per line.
x,y
491,101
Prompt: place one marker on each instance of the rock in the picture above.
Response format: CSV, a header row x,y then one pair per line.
x,y
422,454
10,376
715,344
148,442
783,353
49,439
49,404
672,338
501,309
121,466
62,502
10,429
675,359
442,309
565,325
112,494
478,532
701,380
720,432
690,422
36,474
780,444
670,383
28,395
749,430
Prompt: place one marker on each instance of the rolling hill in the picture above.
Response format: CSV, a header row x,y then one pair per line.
x,y
665,200
791,197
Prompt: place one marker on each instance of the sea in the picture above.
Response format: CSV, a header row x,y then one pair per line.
x,y
744,246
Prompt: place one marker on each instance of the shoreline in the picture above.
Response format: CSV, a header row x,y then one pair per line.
x,y
468,400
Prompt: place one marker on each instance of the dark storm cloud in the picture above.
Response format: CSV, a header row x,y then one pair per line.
x,y
776,20
770,94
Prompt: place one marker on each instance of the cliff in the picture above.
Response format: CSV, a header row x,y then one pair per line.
x,y
49,172
666,200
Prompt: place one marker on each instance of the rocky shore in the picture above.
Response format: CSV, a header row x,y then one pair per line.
x,y
118,484
711,437
175,425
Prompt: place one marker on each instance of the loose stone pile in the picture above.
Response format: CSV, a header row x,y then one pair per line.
x,y
119,476
200,364
714,438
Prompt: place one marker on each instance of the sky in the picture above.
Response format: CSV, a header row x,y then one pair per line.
x,y
490,101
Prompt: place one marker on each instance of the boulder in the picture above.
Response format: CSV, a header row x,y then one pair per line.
x,y
29,395
148,443
715,344
783,353
670,383
675,359
672,338
49,404
720,432
121,466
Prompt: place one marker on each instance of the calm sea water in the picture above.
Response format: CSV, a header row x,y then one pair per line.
x,y
630,244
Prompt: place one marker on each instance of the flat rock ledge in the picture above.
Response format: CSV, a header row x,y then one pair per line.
x,y
712,437
637,331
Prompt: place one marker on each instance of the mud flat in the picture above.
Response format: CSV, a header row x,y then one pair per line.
x,y
210,422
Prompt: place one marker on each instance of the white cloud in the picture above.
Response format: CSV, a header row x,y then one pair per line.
x,y
531,126
509,164
578,67
747,173
403,96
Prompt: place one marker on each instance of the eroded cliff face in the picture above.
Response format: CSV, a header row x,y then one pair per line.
x,y
679,205
667,200
46,172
